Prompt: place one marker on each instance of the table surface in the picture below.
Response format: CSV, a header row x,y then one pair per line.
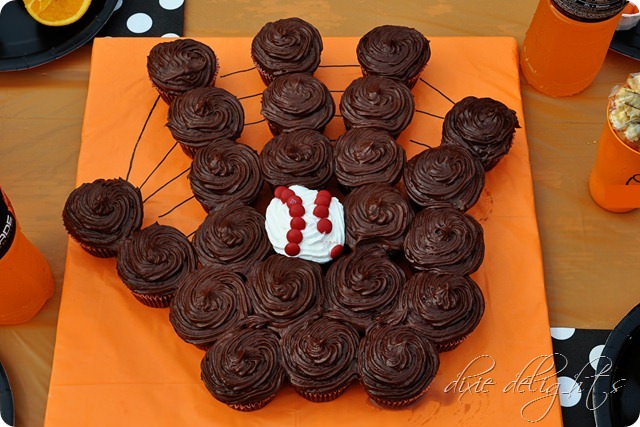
x,y
590,255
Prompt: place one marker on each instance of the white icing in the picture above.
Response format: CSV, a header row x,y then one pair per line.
x,y
315,246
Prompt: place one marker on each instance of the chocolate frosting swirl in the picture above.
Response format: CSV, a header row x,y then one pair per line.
x,y
484,126
297,101
365,156
320,357
377,213
209,302
363,285
394,51
282,289
444,174
203,115
155,259
101,214
180,65
443,307
377,102
445,240
301,157
243,368
225,172
396,364
286,46
233,237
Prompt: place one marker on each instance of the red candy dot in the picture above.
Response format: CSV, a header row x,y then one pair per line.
x,y
296,210
278,191
325,226
323,201
335,251
298,223
323,193
286,194
292,249
294,236
321,211
294,200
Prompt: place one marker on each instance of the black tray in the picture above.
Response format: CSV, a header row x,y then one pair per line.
x,y
627,42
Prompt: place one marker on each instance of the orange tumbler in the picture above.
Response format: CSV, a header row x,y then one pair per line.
x,y
26,282
566,44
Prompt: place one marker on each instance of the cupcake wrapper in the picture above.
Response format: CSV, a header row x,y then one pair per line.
x,y
252,406
99,252
398,404
410,82
266,77
167,97
155,301
448,345
320,397
189,151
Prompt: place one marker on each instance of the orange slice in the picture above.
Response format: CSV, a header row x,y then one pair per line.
x,y
56,12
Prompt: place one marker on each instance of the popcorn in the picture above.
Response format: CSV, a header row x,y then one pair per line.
x,y
624,112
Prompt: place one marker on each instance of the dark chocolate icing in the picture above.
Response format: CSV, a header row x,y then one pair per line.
x,y
396,364
209,302
297,101
376,213
377,102
445,240
366,155
484,126
225,172
394,51
180,65
243,368
203,115
232,237
444,174
286,46
101,214
302,157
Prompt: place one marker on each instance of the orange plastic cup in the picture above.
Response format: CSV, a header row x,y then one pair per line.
x,y
561,56
614,182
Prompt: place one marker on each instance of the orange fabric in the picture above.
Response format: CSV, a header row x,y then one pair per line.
x,y
118,362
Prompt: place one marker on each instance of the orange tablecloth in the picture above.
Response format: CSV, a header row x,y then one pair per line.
x,y
117,362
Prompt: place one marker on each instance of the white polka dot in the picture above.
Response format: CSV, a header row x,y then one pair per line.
x,y
139,23
594,355
170,35
570,393
118,5
562,333
171,4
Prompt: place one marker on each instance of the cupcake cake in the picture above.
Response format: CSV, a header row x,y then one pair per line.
x,y
178,66
232,237
396,364
225,172
303,157
447,175
205,115
101,214
377,213
286,46
319,356
445,240
242,369
377,102
209,302
484,126
366,156
394,51
297,101
153,261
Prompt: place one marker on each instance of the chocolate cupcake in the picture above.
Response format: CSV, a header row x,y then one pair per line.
x,y
153,261
282,289
445,308
446,174
242,369
205,115
377,102
484,126
302,157
297,101
210,301
394,51
225,172
286,46
445,240
363,286
396,364
101,214
377,213
366,156
319,356
178,66
232,237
